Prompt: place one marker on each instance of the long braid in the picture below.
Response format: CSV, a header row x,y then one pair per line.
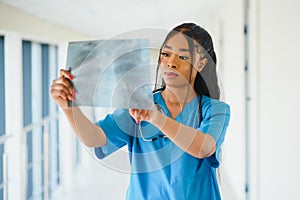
x,y
207,78
206,82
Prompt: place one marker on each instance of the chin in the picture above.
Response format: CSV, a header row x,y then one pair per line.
x,y
174,85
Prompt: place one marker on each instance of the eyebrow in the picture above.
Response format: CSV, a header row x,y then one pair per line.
x,y
182,49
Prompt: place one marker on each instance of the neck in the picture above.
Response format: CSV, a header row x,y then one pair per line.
x,y
181,95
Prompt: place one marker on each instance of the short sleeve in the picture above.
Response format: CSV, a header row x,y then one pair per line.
x,y
216,115
118,128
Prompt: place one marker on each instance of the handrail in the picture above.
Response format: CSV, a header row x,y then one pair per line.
x,y
4,138
3,185
45,120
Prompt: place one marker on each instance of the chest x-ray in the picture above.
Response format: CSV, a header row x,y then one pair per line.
x,y
111,73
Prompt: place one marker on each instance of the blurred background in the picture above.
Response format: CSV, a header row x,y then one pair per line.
x,y
257,45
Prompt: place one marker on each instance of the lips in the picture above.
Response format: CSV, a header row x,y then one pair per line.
x,y
171,75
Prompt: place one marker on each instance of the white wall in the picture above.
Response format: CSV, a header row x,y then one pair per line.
x,y
278,99
274,46
227,33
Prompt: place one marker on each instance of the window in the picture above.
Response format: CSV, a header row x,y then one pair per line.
x,y
54,169
40,119
2,88
2,111
27,112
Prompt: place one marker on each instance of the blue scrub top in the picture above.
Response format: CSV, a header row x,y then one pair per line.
x,y
160,169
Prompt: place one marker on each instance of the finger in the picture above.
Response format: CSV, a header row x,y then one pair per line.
x,y
131,112
63,81
64,85
58,94
62,94
62,88
134,111
134,114
66,74
139,112
144,115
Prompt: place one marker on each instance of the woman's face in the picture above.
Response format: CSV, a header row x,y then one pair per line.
x,y
175,62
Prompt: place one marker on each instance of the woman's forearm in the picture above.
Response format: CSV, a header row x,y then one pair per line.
x,y
90,134
191,140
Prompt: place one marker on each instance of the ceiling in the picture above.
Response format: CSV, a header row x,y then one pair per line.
x,y
111,17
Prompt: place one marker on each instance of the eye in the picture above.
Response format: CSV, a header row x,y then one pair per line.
x,y
164,54
184,57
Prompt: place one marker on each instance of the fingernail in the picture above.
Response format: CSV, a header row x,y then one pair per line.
x,y
70,76
138,121
73,93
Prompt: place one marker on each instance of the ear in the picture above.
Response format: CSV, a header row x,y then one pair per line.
x,y
201,64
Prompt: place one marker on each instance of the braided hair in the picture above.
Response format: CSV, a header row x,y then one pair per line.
x,y
206,82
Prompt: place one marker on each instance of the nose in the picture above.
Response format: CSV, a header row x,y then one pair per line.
x,y
171,62
172,66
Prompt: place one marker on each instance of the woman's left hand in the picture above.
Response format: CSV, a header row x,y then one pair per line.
x,y
140,115
143,115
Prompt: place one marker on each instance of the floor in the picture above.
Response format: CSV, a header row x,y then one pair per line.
x,y
95,181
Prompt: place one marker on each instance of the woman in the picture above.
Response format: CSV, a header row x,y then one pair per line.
x,y
173,150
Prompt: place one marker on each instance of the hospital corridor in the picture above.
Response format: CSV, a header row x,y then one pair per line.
x,y
256,44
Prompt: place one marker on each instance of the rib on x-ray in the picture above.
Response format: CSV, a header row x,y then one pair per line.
x,y
111,73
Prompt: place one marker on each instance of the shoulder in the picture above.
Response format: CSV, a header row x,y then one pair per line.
x,y
214,106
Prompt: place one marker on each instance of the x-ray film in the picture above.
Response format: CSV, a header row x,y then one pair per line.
x,y
111,73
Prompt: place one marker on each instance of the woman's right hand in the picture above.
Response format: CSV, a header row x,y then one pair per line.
x,y
62,89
